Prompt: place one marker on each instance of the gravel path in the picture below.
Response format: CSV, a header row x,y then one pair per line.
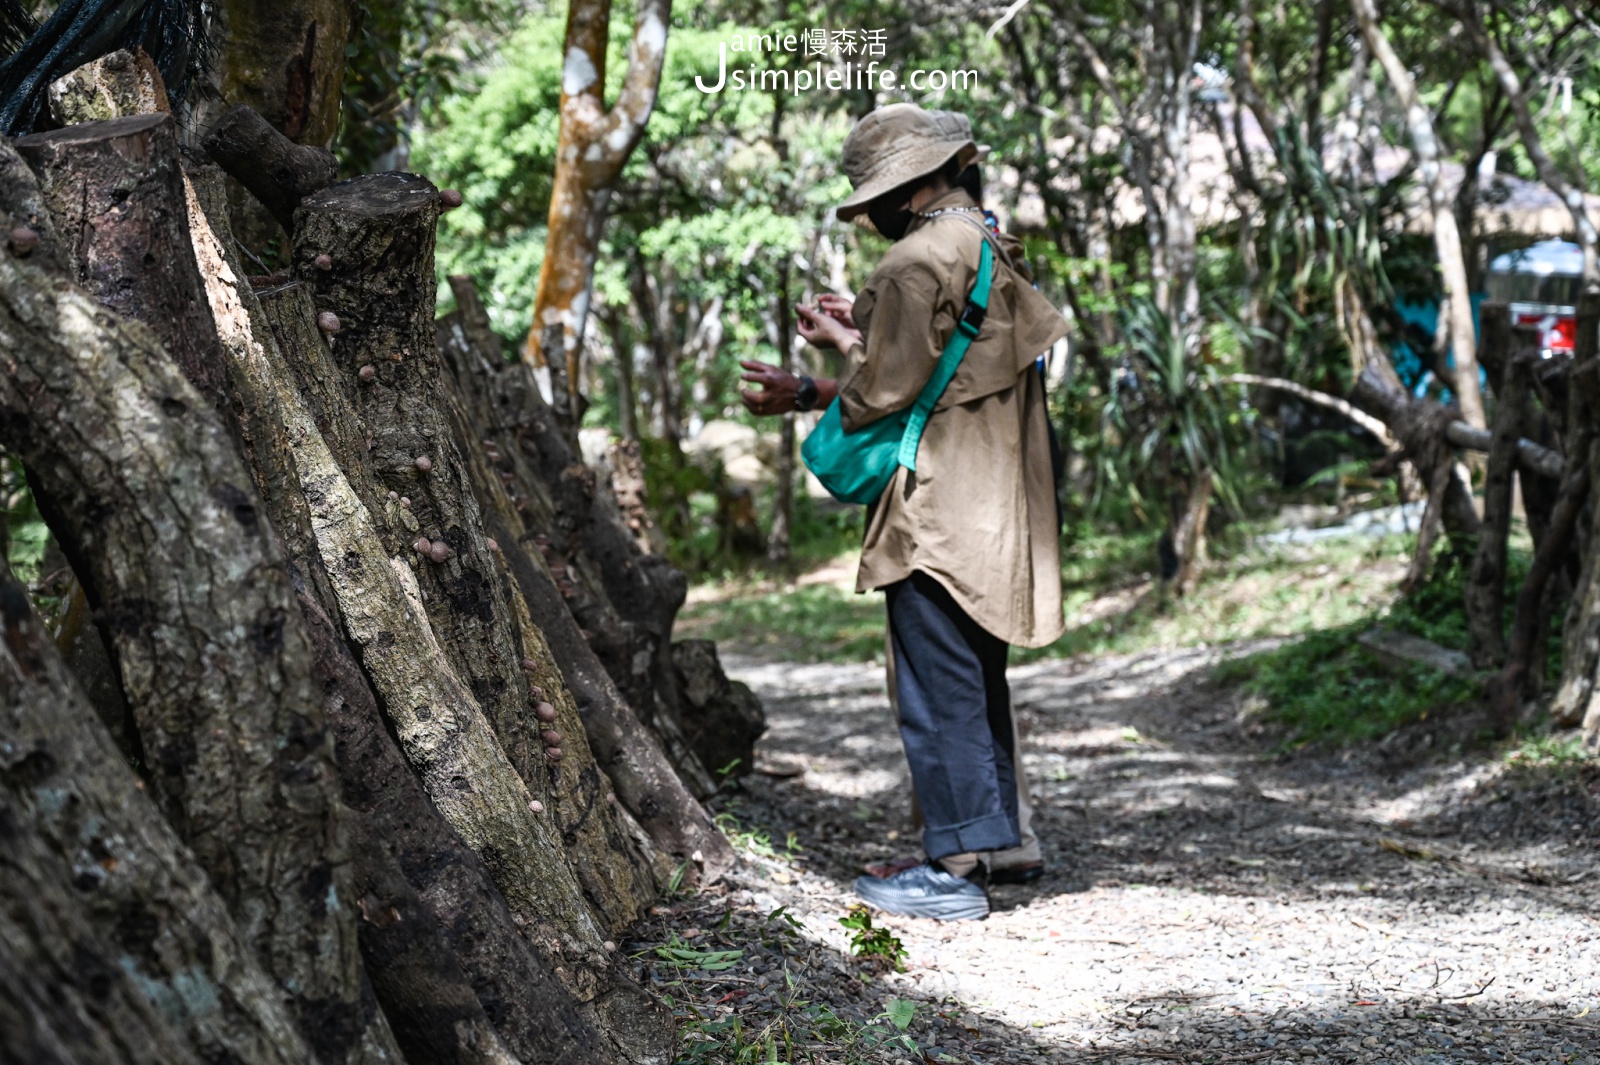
x,y
1207,901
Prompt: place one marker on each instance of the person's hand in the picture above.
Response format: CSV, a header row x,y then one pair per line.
x,y
838,307
824,330
778,388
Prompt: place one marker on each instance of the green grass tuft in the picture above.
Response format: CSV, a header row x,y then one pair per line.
x,y
1326,688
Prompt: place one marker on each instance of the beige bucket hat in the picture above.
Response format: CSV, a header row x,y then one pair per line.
x,y
897,144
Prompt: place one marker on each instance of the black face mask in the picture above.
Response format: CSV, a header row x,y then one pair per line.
x,y
892,222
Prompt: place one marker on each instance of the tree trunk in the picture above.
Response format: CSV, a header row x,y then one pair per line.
x,y
1189,533
783,494
108,928
1506,689
278,172
285,59
591,150
1446,237
1575,698
1527,129
154,508
1485,593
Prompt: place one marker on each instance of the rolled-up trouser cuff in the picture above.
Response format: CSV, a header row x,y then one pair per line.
x,y
996,832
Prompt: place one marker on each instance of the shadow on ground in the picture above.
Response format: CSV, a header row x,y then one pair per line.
x,y
1208,899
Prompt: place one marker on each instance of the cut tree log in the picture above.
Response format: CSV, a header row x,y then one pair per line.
x,y
532,1011
115,191
146,493
722,718
277,171
519,506
645,591
109,931
495,397
379,233
451,929
440,725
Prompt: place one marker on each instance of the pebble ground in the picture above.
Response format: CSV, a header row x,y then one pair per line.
x,y
1209,898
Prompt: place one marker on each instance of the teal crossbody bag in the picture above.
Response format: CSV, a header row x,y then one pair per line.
x,y
857,467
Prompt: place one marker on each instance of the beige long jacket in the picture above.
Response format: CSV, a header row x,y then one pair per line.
x,y
979,513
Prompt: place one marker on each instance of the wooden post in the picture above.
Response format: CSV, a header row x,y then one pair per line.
x,y
1485,592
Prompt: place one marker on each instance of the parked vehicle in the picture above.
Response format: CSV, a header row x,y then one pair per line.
x,y
1540,283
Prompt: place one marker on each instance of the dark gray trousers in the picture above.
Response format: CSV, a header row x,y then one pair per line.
x,y
955,720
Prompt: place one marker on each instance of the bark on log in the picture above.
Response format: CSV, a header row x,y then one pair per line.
x,y
512,979
122,83
277,171
440,723
115,190
723,718
497,397
151,503
21,197
588,533
379,232
446,895
113,945
441,727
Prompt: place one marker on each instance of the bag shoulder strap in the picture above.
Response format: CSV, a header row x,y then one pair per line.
x,y
988,236
955,349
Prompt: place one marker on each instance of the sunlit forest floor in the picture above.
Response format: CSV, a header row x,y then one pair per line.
x,y
1113,605
1231,878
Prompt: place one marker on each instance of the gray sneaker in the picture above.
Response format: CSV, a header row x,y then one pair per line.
x,y
925,891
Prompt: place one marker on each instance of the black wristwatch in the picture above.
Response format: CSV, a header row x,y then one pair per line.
x,y
806,396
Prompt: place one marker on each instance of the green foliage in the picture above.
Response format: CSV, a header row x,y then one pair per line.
x,y
405,58
1169,415
25,533
792,1029
755,842
813,623
1559,753
867,941
676,954
1327,688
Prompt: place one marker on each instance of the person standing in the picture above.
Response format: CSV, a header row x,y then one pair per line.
x,y
965,547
